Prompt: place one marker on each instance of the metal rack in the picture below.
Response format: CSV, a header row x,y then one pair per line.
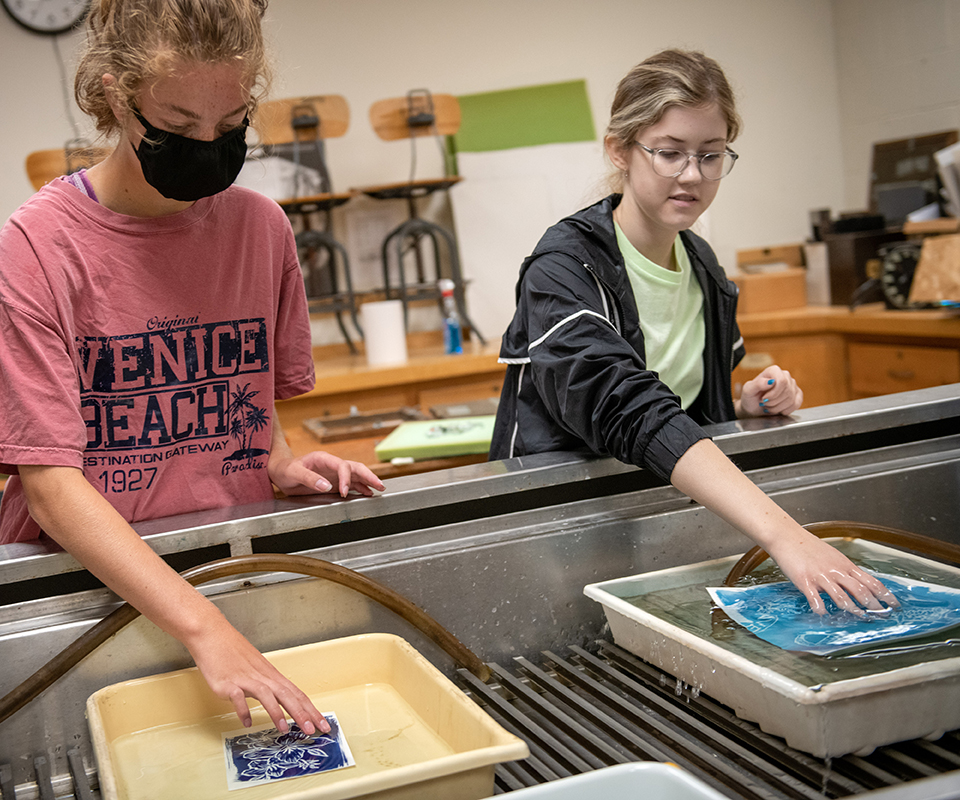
x,y
499,553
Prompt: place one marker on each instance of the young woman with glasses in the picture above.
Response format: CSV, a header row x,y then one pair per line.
x,y
625,333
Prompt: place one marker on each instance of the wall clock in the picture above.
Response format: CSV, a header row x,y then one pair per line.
x,y
47,16
896,273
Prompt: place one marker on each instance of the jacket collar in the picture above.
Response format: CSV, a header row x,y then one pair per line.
x,y
590,237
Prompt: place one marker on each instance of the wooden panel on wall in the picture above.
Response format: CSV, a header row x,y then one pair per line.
x,y
771,291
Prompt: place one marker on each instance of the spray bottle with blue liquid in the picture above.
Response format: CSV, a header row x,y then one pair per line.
x,y
452,330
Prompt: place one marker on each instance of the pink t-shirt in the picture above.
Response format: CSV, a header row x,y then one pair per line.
x,y
147,352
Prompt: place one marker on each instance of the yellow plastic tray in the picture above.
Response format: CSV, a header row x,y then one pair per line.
x,y
412,732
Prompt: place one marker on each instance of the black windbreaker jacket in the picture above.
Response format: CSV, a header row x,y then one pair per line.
x,y
576,376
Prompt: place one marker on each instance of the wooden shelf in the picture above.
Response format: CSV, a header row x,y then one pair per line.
x,y
429,378
836,354
932,226
345,380
870,320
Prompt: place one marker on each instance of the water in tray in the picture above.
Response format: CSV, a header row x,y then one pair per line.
x,y
688,607
186,761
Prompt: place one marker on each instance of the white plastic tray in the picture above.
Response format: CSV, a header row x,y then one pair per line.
x,y
826,719
624,782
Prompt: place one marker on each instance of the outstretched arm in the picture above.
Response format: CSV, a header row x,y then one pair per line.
x,y
706,475
84,523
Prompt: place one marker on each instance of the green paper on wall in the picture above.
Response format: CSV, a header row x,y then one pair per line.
x,y
437,438
525,117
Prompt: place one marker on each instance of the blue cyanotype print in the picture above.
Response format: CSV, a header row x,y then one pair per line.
x,y
266,755
779,614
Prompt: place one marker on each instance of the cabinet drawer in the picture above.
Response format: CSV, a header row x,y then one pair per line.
x,y
816,362
877,369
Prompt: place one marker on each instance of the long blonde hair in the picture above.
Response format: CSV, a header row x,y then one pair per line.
x,y
669,78
138,41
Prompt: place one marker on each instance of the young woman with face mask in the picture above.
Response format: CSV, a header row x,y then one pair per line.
x,y
150,314
625,332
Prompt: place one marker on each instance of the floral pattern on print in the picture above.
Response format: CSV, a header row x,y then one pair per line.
x,y
269,755
779,614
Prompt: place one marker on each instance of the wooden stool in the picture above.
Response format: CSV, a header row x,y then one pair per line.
x,y
292,126
418,114
45,165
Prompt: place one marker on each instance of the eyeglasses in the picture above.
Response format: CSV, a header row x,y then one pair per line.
x,y
670,163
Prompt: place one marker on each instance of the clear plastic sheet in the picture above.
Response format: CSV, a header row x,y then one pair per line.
x,y
779,614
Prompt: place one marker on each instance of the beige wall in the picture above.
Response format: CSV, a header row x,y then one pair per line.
x,y
898,63
817,81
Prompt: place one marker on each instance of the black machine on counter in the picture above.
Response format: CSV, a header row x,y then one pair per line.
x,y
499,554
905,177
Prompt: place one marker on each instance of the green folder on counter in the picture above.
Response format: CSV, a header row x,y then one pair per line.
x,y
437,438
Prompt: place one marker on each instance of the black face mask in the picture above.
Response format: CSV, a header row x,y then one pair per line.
x,y
187,169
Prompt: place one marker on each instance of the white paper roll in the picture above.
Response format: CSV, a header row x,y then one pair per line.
x,y
383,332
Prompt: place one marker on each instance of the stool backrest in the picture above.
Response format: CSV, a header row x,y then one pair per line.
x,y
391,119
45,165
325,116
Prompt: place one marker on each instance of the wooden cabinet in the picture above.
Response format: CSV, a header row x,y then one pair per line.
x,y
816,361
877,369
836,354
430,378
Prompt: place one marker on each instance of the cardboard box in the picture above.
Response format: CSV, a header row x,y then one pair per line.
x,y
775,290
790,254
937,276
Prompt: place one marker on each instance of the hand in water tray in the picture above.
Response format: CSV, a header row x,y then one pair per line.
x,y
779,614
265,755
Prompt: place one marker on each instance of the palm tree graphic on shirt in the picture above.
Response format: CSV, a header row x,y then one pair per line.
x,y
246,419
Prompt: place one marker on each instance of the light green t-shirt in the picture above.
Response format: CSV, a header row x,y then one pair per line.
x,y
671,317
